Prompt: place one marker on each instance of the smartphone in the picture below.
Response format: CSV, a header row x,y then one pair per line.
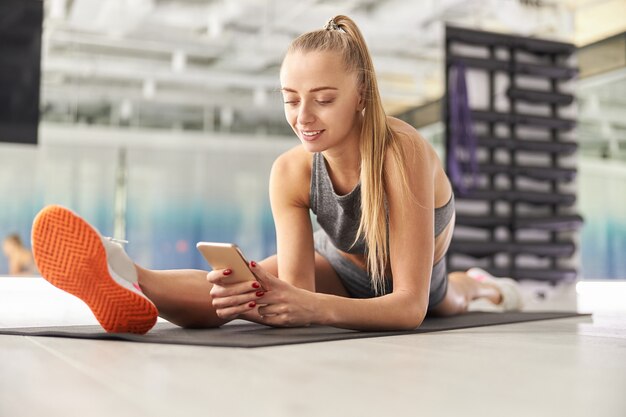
x,y
227,255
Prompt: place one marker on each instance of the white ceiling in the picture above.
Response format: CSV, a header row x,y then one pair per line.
x,y
216,61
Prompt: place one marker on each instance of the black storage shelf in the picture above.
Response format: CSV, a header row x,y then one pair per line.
x,y
532,45
532,172
523,119
529,145
557,72
481,249
535,96
547,214
530,197
560,223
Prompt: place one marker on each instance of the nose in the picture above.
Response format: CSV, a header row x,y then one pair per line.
x,y
305,115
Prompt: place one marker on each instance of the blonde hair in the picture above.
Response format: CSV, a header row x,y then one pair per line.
x,y
15,239
342,35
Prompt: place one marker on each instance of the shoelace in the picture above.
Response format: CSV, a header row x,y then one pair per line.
x,y
120,241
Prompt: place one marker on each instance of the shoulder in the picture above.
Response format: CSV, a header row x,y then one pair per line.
x,y
293,158
418,154
291,174
294,163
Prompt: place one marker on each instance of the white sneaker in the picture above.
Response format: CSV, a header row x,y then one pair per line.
x,y
510,290
72,256
121,267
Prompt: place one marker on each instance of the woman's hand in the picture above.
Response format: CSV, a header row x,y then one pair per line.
x,y
283,305
233,300
269,301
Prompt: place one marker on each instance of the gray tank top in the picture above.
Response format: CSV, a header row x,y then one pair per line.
x,y
339,215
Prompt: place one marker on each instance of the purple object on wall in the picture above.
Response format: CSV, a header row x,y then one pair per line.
x,y
462,140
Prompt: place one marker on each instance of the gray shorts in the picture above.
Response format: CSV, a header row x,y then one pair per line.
x,y
357,282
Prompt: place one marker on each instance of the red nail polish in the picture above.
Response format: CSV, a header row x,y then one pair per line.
x,y
256,285
227,272
252,304
260,293
252,264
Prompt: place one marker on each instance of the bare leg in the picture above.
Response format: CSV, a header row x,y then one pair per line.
x,y
461,290
183,296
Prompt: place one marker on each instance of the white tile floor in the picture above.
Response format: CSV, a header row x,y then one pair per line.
x,y
566,367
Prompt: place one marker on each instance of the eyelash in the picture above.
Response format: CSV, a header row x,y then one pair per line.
x,y
321,102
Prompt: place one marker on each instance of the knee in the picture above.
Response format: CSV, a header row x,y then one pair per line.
x,y
463,303
458,291
456,302
451,305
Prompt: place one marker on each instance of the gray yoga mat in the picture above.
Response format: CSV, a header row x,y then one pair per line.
x,y
248,335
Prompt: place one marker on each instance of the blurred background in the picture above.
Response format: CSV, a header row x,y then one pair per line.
x,y
158,120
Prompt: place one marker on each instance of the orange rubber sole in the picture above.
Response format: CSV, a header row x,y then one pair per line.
x,y
70,255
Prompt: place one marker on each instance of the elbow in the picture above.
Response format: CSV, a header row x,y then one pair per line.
x,y
411,323
412,318
412,311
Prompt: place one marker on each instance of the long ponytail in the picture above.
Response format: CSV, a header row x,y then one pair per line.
x,y
341,34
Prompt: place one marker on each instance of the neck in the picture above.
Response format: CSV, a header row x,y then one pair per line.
x,y
345,158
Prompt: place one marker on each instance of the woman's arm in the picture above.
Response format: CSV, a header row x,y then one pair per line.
x,y
412,217
292,301
411,239
289,185
411,243
286,305
289,197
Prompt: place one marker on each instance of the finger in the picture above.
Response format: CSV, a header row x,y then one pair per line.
x,y
272,309
233,312
273,297
252,315
226,290
236,300
278,320
218,276
266,280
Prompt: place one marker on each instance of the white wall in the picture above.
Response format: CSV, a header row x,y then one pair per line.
x,y
181,188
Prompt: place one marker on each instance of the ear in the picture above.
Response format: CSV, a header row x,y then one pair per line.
x,y
361,103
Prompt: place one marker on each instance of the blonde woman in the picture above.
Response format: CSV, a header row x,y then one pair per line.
x,y
19,258
382,199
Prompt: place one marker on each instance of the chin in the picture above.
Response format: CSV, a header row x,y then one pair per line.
x,y
312,147
318,145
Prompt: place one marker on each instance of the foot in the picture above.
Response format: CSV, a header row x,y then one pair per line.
x,y
509,289
72,256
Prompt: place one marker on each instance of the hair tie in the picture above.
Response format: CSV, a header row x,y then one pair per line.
x,y
331,25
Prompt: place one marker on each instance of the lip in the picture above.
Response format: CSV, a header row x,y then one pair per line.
x,y
310,138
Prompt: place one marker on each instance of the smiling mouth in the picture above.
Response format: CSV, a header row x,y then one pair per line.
x,y
311,133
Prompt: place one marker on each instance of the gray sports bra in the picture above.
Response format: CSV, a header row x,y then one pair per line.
x,y
339,215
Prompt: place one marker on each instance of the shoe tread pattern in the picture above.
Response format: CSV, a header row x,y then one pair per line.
x,y
70,255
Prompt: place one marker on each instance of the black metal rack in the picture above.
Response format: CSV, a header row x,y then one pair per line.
x,y
495,235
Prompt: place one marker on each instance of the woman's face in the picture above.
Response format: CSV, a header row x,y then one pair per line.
x,y
322,100
8,247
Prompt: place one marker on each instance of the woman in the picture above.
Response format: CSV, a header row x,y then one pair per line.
x,y
382,199
19,258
